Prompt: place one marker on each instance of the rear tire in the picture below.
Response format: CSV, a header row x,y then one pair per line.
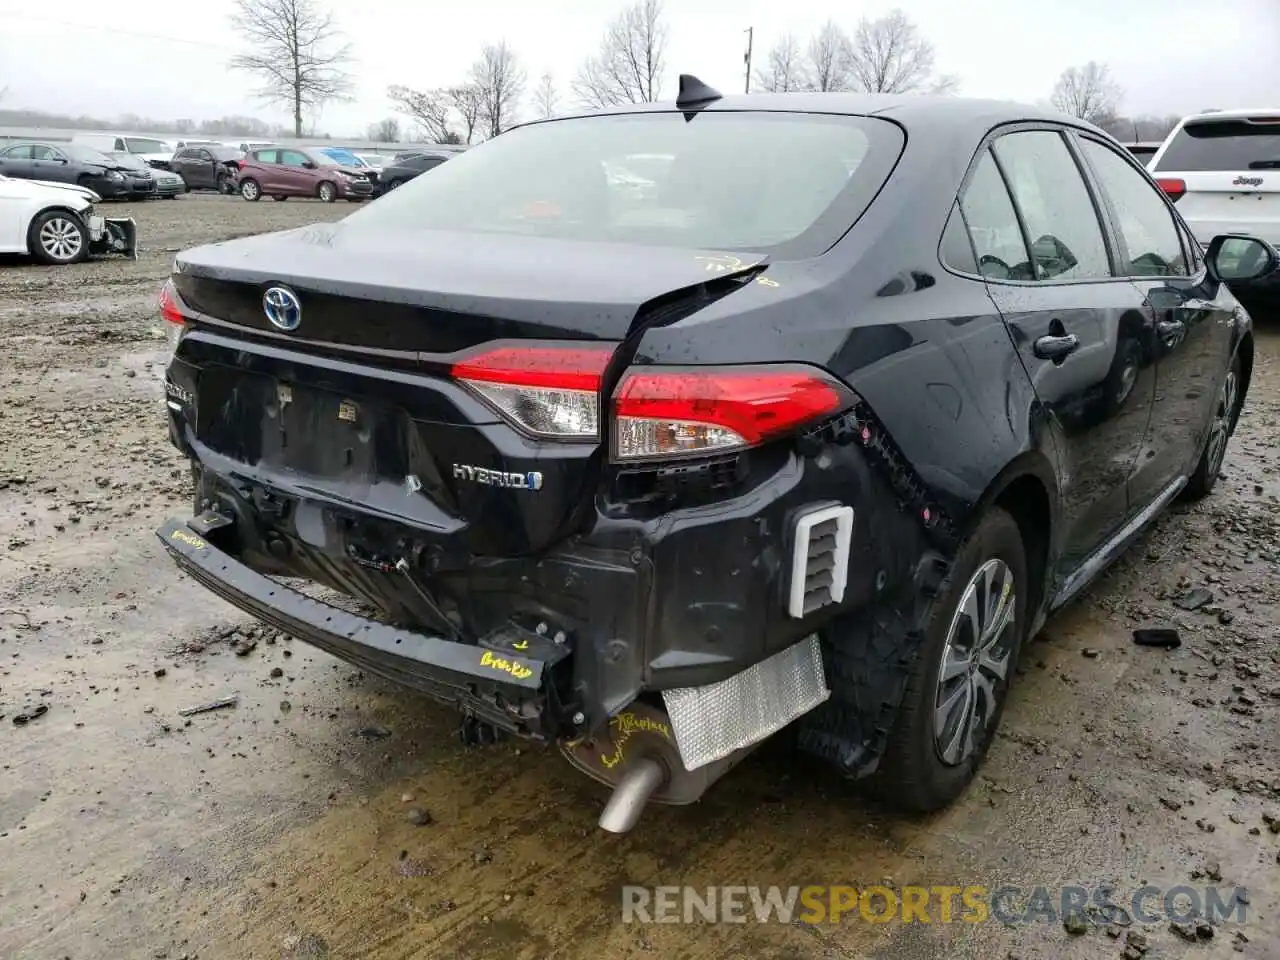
x,y
58,237
1225,414
327,192
973,628
250,190
393,184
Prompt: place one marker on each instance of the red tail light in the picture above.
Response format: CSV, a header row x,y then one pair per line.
x,y
1173,188
174,312
553,391
171,305
676,412
549,391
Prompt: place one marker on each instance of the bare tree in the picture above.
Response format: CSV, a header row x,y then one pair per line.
x,y
784,68
385,131
297,53
499,82
545,98
828,55
1087,92
468,104
628,67
430,109
889,55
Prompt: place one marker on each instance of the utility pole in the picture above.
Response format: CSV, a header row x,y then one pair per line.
x,y
750,31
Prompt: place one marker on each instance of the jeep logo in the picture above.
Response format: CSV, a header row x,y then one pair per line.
x,y
1247,182
497,478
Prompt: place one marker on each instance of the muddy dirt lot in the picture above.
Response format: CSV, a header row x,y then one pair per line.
x,y
329,815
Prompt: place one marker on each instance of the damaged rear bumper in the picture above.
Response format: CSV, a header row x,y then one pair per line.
x,y
508,681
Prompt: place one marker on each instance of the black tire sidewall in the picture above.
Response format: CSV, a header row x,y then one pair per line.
x,y
1205,476
33,237
913,771
257,190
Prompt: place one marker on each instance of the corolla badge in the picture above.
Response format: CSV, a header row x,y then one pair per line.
x,y
282,308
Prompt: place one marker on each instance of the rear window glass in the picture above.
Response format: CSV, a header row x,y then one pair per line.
x,y
1232,145
785,183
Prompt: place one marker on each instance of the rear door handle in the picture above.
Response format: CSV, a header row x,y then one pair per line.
x,y
1056,348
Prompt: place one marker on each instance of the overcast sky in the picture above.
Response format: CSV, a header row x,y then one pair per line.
x,y
91,57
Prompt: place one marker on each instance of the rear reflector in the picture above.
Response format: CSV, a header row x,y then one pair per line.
x,y
548,391
1173,188
674,412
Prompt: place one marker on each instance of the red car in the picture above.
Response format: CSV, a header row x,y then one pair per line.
x,y
281,173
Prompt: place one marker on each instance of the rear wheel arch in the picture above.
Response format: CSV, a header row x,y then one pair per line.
x,y
1027,490
1244,350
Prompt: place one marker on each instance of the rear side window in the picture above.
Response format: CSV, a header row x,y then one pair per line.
x,y
788,184
957,251
1145,220
993,224
267,156
1063,227
1231,145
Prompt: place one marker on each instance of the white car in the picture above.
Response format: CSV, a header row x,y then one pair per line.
x,y
1222,170
56,223
148,149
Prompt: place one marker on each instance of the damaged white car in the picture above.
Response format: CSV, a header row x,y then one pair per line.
x,y
56,223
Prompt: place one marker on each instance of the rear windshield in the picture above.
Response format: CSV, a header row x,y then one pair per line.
x,y
789,184
1231,145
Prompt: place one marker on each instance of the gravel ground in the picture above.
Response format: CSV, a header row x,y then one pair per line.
x,y
328,815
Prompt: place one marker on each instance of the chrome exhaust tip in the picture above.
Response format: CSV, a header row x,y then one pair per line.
x,y
629,797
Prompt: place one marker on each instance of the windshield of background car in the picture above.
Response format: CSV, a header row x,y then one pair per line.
x,y
144,145
86,155
337,158
128,160
1232,145
790,184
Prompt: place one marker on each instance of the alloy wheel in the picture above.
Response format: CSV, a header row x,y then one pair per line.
x,y
1220,429
61,238
975,662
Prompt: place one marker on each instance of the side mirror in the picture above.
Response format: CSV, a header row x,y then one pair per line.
x,y
1235,257
309,164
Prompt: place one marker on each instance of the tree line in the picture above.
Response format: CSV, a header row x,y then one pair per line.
x,y
296,52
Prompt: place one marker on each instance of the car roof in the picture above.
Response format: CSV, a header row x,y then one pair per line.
x,y
1233,114
956,114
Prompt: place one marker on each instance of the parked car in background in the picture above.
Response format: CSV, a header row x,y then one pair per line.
x,y
250,145
57,224
208,167
199,143
153,152
1145,150
375,161
67,163
815,436
163,183
283,172
1222,170
402,171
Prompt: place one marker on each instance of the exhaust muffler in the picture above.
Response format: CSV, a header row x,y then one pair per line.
x,y
638,757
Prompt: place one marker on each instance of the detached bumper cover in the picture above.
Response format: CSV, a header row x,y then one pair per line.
x,y
113,235
509,690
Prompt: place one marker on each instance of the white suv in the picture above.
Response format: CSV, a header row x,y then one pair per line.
x,y
1222,169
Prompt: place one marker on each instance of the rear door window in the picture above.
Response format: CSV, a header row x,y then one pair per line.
x,y
1067,242
1145,220
267,156
22,152
1230,145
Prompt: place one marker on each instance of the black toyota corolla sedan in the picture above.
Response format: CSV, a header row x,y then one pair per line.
x,y
813,431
